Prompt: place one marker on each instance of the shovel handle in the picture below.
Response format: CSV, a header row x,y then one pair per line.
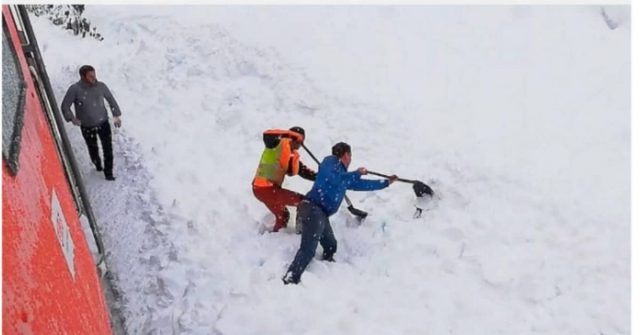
x,y
387,176
310,154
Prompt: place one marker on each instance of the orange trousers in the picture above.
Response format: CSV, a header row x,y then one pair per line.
x,y
276,199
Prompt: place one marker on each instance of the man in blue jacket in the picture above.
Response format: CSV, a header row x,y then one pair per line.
x,y
332,181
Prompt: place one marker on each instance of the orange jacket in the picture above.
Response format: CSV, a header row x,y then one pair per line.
x,y
278,158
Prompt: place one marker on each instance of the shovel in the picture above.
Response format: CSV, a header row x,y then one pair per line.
x,y
419,188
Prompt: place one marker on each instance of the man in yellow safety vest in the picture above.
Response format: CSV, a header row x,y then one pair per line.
x,y
279,158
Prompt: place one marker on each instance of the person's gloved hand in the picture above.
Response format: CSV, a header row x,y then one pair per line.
x,y
392,179
362,171
76,121
117,122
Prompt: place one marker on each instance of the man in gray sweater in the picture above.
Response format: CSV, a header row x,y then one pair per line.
x,y
87,97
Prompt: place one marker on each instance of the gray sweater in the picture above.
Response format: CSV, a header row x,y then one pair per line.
x,y
88,102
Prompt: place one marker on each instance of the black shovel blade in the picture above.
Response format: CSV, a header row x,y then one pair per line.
x,y
421,189
357,212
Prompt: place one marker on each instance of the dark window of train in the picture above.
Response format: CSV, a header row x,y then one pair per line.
x,y
13,97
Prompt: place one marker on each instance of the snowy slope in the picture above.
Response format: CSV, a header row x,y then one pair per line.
x,y
519,116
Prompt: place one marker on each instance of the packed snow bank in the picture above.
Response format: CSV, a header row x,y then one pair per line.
x,y
519,116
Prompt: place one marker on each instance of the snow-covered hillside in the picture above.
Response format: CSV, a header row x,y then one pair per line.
x,y
519,116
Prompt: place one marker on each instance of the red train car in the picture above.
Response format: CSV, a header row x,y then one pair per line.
x,y
50,283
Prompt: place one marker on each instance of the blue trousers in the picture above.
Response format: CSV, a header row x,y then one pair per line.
x,y
315,228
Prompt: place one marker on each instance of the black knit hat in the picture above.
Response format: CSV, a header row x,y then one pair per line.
x,y
340,149
298,130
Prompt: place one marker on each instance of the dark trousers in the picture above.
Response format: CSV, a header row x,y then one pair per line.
x,y
315,228
91,134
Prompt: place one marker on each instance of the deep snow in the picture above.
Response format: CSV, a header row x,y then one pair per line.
x,y
518,115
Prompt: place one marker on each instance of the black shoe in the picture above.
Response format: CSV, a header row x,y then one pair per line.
x,y
286,215
98,166
288,279
328,258
109,177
